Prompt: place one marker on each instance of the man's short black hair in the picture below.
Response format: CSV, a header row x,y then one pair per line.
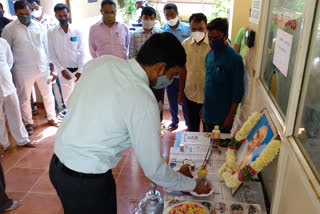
x,y
170,6
148,11
219,24
1,6
36,1
109,2
61,6
18,5
198,17
162,47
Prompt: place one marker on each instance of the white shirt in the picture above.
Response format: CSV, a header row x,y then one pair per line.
x,y
118,108
6,62
29,46
66,50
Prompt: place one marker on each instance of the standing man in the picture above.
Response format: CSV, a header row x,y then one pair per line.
x,y
6,204
66,49
126,114
40,16
181,31
192,83
28,41
109,37
138,38
224,85
48,22
3,20
9,104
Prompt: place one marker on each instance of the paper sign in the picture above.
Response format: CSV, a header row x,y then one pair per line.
x,y
282,51
255,11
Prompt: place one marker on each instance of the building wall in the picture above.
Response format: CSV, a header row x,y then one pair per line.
x,y
240,17
82,10
288,180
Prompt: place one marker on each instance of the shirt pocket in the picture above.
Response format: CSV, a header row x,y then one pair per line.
x,y
74,42
220,76
184,35
36,39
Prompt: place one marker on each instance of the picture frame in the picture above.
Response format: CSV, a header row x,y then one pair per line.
x,y
260,136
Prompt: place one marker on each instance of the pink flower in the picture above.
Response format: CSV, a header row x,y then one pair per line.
x,y
252,171
232,147
242,141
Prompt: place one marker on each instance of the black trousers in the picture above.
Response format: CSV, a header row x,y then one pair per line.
x,y
83,193
5,202
193,109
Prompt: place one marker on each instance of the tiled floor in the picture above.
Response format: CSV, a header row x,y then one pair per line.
x,y
26,172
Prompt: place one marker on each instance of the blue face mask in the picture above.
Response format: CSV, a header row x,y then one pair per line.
x,y
217,45
64,21
1,13
163,82
25,20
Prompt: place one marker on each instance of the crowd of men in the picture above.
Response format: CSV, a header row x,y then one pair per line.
x,y
37,49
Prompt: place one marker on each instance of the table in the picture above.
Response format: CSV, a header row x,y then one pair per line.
x,y
195,148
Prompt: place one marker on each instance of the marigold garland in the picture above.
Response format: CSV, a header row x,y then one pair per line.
x,y
227,171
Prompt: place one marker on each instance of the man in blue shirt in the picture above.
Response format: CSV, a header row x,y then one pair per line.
x,y
224,85
181,31
3,20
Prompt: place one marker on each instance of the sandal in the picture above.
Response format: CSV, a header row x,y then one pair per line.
x,y
172,127
15,204
29,129
30,145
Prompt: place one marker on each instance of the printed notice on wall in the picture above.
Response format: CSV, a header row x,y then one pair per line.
x,y
282,51
255,11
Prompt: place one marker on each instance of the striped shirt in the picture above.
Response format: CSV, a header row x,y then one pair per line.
x,y
138,39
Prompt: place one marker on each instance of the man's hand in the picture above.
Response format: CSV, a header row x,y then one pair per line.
x,y
200,113
227,124
78,75
54,75
181,99
65,75
203,186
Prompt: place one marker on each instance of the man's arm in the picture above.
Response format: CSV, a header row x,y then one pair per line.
x,y
52,53
132,50
237,84
144,133
182,82
92,46
82,53
127,42
9,54
7,36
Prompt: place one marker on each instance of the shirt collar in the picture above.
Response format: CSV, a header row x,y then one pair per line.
x,y
136,67
154,30
179,28
32,22
60,28
101,22
206,40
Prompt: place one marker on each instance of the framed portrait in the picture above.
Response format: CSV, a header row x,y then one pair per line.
x,y
260,136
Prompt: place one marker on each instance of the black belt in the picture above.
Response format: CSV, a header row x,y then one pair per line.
x,y
77,174
72,69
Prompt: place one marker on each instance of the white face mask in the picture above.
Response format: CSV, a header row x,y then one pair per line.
x,y
37,13
147,24
173,22
198,36
138,12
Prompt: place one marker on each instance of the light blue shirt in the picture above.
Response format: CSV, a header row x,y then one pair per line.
x,y
182,32
111,108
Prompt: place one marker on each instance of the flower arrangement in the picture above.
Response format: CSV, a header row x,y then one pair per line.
x,y
227,171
